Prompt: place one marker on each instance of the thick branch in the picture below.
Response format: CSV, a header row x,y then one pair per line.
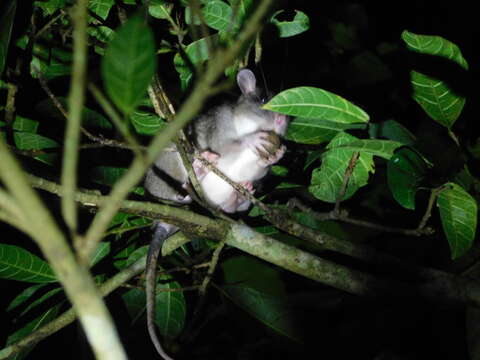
x,y
432,284
79,285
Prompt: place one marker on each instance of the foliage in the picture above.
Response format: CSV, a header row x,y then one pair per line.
x,y
338,151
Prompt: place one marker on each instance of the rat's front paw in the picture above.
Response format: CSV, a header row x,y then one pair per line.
x,y
200,168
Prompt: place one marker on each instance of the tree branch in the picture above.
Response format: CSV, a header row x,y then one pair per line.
x,y
434,285
76,99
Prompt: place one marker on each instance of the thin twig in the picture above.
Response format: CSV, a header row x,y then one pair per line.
x,y
47,25
211,268
428,212
76,280
345,217
76,100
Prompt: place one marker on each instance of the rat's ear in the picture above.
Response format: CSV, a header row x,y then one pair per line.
x,y
246,82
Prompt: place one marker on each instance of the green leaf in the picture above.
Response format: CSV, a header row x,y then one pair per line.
x,y
218,15
458,212
312,156
103,34
160,9
253,273
146,123
102,250
298,25
405,171
170,308
314,103
24,296
29,141
23,124
6,23
272,311
315,131
129,64
121,257
43,319
101,7
327,180
37,301
50,6
435,96
382,148
21,265
241,9
92,119
278,170
392,130
108,175
128,221
197,52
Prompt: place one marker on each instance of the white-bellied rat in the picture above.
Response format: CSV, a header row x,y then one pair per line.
x,y
242,140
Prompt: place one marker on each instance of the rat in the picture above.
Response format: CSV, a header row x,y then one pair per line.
x,y
241,139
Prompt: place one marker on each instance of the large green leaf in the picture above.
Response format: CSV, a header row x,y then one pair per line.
x,y
6,24
101,7
273,311
19,264
315,131
218,15
458,212
327,180
310,102
129,64
298,25
405,170
434,95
